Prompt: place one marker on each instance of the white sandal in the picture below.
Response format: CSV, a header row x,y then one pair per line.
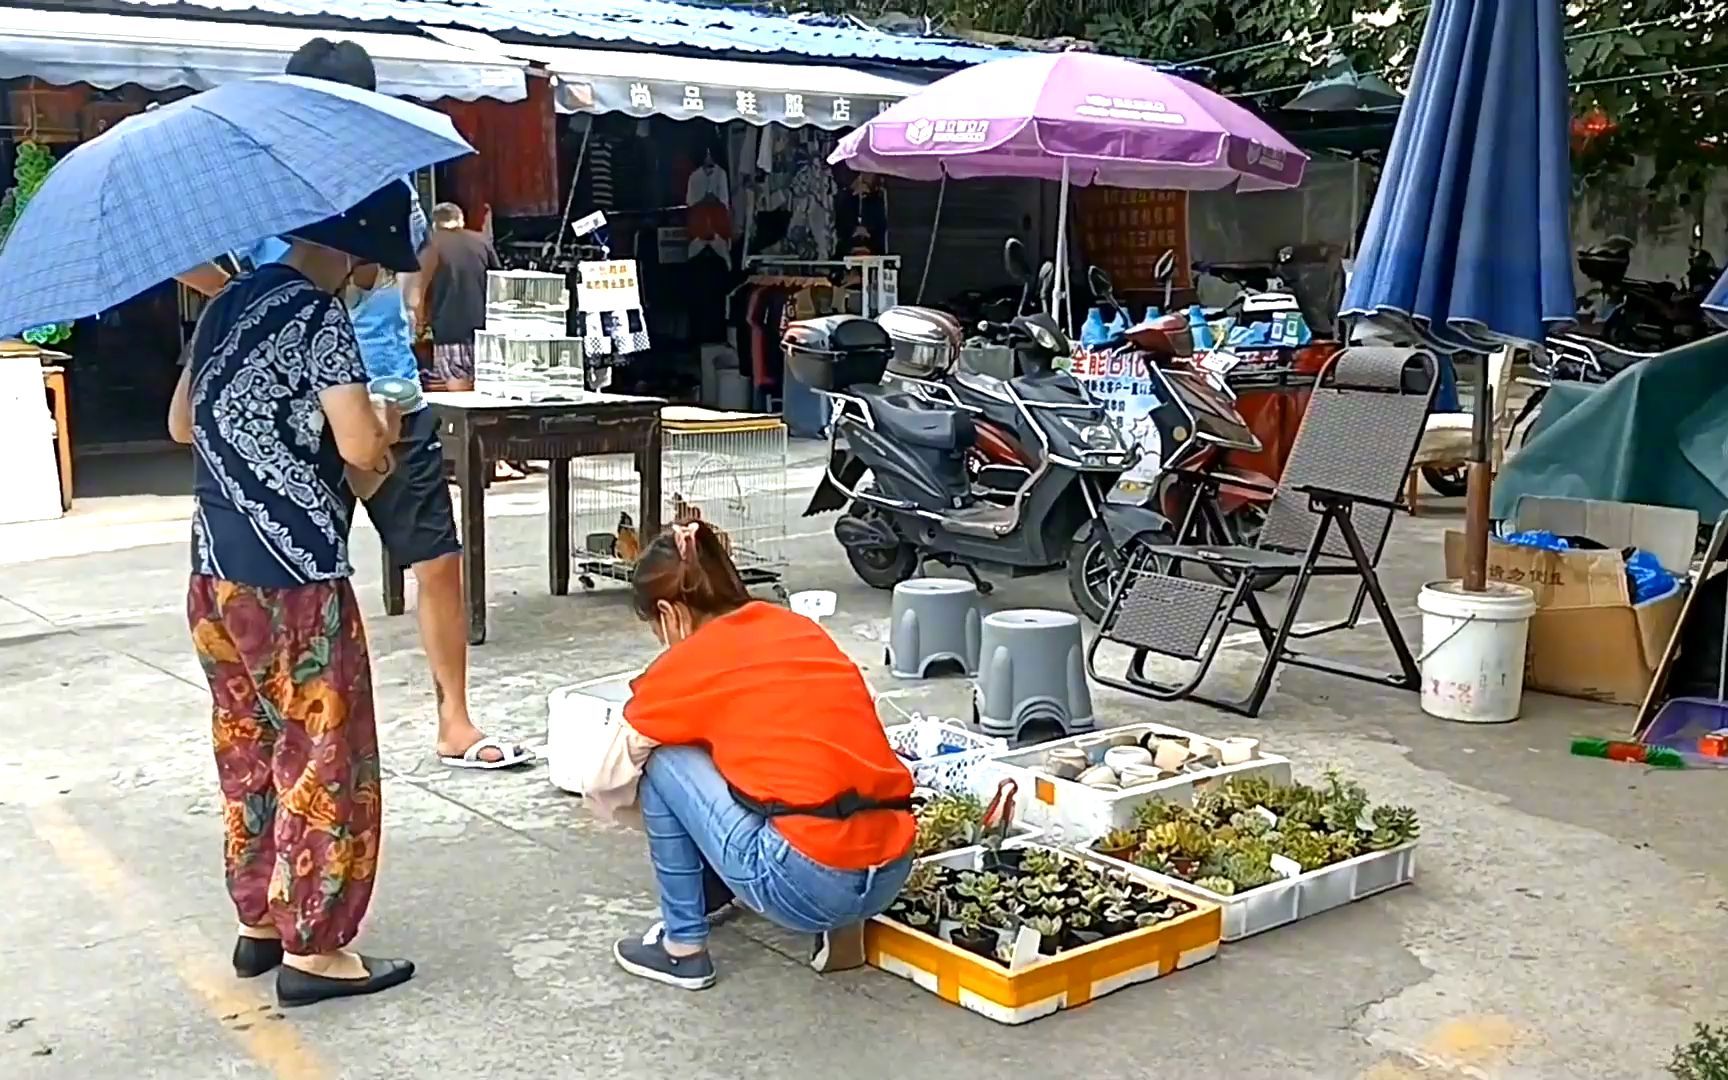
x,y
508,756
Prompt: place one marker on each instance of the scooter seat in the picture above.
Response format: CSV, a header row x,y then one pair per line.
x,y
915,421
1050,388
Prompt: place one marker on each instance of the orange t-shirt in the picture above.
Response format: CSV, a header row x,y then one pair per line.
x,y
788,719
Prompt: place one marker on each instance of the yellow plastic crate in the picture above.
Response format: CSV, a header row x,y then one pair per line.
x,y
1048,984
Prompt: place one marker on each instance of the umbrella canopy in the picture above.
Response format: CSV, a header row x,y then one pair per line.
x,y
1094,119
1470,236
1716,304
169,189
1341,88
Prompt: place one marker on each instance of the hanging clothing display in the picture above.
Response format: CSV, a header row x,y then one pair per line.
x,y
808,196
599,165
709,219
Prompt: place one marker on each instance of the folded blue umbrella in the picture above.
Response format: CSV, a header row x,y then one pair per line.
x,y
170,189
1470,237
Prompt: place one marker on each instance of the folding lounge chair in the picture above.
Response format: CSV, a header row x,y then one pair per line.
x,y
1329,516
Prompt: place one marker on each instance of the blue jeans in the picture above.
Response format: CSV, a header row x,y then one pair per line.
x,y
692,818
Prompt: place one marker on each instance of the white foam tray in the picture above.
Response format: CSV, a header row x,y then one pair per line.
x,y
1284,902
1081,814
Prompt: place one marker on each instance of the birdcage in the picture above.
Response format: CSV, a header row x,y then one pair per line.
x,y
528,369
727,469
524,353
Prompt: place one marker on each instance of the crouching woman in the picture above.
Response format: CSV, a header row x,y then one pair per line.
x,y
753,746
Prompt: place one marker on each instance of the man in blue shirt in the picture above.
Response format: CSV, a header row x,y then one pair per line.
x,y
412,509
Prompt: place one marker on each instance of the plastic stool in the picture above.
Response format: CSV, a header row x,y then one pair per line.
x,y
935,621
1032,671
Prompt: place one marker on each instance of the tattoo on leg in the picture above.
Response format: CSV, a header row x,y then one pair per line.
x,y
438,692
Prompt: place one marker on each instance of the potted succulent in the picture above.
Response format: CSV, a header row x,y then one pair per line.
x,y
1119,843
971,933
1069,901
946,822
1228,840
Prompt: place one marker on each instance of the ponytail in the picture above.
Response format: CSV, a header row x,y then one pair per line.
x,y
688,564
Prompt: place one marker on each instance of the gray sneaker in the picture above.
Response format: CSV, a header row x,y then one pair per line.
x,y
647,956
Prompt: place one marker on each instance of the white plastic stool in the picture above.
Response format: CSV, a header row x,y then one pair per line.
x,y
935,621
1032,671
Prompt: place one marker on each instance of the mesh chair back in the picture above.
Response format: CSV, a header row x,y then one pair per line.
x,y
1358,437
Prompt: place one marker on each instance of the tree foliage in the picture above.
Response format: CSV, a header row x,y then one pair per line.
x,y
1654,69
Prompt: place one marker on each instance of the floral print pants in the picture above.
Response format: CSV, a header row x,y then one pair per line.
x,y
296,751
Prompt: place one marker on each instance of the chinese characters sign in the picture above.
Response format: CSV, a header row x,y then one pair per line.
x,y
1126,232
682,101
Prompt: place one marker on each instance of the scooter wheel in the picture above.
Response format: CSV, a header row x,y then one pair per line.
x,y
1093,572
883,568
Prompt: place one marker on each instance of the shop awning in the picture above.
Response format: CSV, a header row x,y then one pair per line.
x,y
687,88
65,47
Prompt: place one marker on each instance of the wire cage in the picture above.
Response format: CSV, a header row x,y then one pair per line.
x,y
728,469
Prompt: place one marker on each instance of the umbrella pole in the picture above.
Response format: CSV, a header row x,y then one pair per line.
x,y
1060,301
1480,477
935,228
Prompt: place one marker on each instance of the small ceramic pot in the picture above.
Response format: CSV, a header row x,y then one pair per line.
x,y
1119,757
1105,787
1097,775
1068,756
1237,749
1204,751
1171,754
1135,775
1122,738
1093,747
1063,769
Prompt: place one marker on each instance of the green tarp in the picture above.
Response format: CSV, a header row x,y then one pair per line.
x,y
1656,434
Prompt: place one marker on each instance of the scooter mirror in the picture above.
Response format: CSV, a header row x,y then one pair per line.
x,y
1102,287
1046,285
1166,266
1014,260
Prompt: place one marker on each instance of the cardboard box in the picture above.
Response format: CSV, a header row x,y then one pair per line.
x,y
1588,639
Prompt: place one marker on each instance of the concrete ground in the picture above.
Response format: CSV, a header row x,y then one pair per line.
x,y
1562,925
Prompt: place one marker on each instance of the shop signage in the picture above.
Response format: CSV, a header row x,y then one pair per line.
x,y
685,101
1125,232
1116,381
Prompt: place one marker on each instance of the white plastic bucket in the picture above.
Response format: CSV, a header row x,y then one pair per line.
x,y
579,723
1473,650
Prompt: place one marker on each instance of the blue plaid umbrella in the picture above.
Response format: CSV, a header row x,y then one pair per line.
x,y
1470,236
168,190
1716,304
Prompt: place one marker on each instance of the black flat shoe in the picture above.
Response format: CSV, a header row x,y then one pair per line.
x,y
295,987
255,956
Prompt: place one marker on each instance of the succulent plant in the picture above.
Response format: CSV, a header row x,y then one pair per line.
x,y
1150,859
1223,886
1156,812
1180,840
947,822
983,888
1313,850
1248,867
970,917
1119,840
1049,926
1041,862
1344,802
1393,826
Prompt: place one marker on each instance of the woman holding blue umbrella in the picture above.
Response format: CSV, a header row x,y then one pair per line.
x,y
275,406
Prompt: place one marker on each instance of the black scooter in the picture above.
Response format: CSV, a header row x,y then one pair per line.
x,y
897,465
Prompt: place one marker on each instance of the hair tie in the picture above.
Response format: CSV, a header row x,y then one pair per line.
x,y
685,537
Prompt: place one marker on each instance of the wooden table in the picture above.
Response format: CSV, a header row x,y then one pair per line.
x,y
54,381
478,430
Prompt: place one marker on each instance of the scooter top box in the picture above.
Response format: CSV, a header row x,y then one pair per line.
x,y
837,351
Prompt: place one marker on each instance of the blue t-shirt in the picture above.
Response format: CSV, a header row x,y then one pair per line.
x,y
272,506
381,326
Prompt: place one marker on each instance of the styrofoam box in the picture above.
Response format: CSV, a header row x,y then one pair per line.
x,y
1047,984
941,753
1284,902
579,721
1081,813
